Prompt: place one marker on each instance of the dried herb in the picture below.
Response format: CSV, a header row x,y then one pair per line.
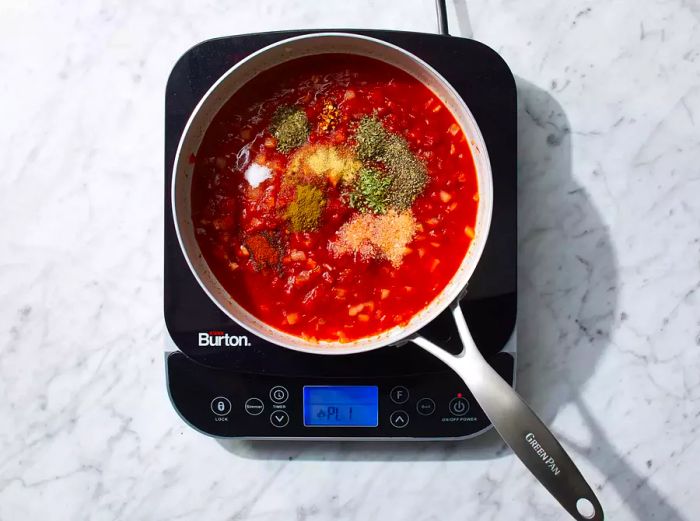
x,y
371,138
290,126
370,191
407,173
304,212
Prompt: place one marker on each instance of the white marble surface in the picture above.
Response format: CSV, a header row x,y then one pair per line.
x,y
609,271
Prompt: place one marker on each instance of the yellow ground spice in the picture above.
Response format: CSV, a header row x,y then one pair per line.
x,y
383,236
334,163
304,212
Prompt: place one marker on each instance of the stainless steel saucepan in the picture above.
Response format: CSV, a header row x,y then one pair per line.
x,y
521,429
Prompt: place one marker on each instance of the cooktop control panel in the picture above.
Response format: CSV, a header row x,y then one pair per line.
x,y
228,404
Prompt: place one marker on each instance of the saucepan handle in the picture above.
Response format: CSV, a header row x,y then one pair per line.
x,y
519,426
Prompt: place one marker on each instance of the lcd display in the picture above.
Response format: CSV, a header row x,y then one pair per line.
x,y
341,406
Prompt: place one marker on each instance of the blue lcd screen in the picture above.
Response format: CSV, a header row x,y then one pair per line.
x,y
341,406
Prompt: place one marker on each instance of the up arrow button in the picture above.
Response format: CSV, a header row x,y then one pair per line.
x,y
399,419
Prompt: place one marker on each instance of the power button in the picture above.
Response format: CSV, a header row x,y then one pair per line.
x,y
459,406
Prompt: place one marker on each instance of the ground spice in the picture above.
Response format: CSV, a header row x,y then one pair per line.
x,y
377,236
408,174
304,212
263,250
290,126
335,163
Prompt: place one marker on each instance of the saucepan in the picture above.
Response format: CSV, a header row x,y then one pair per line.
x,y
521,429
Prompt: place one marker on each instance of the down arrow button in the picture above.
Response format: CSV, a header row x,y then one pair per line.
x,y
279,419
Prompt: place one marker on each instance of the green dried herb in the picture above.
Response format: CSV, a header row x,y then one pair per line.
x,y
371,137
370,191
290,126
406,173
305,211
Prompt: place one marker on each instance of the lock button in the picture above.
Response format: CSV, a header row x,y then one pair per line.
x,y
221,406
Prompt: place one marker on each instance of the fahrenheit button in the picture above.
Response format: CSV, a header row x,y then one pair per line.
x,y
399,394
459,406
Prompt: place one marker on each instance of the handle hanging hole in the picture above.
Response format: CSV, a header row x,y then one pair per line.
x,y
585,508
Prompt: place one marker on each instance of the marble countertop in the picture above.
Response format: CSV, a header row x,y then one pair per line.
x,y
609,271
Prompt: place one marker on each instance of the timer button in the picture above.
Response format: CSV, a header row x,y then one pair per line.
x,y
221,406
399,394
425,406
279,419
399,419
459,406
254,406
279,394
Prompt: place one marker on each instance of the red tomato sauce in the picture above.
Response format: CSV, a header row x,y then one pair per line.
x,y
303,288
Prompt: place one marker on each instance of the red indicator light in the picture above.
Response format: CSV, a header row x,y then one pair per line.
x,y
459,395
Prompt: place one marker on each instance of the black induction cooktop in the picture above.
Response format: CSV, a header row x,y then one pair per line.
x,y
226,382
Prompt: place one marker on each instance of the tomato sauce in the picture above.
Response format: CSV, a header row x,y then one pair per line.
x,y
301,286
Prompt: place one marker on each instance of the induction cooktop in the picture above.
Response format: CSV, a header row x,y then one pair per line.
x,y
226,382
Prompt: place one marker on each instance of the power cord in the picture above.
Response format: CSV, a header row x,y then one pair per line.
x,y
442,17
